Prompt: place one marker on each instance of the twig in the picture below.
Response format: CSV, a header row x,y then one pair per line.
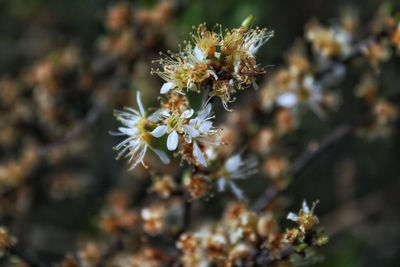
x,y
187,207
265,259
103,66
187,203
345,217
313,151
88,120
28,259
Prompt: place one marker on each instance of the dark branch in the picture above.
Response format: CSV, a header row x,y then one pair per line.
x,y
313,151
24,256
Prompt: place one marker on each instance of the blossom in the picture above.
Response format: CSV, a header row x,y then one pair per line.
x,y
253,39
248,42
184,70
236,168
135,126
201,129
206,42
328,42
309,92
222,60
224,89
201,126
195,130
305,218
173,124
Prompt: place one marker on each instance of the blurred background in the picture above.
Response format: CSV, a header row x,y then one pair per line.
x,y
56,145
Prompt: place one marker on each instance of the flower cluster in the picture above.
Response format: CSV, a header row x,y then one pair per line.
x,y
162,220
132,29
238,238
305,234
217,62
297,86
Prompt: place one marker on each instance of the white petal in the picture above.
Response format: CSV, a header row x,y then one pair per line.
x,y
199,154
237,191
134,111
128,131
155,116
139,158
161,154
159,131
221,184
139,103
205,112
287,100
166,87
292,216
305,207
172,141
233,163
191,131
187,114
165,113
198,54
205,126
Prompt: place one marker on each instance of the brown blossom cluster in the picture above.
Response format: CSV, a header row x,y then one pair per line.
x,y
241,236
35,104
200,209
315,66
134,29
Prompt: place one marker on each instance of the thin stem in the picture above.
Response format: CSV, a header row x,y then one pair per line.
x,y
186,216
302,162
24,256
205,95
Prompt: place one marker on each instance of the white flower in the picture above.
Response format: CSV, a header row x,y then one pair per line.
x,y
201,126
309,92
236,168
254,39
185,69
173,124
196,130
201,129
138,141
305,218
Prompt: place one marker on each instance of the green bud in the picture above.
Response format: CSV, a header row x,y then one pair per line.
x,y
302,247
323,240
186,177
246,23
